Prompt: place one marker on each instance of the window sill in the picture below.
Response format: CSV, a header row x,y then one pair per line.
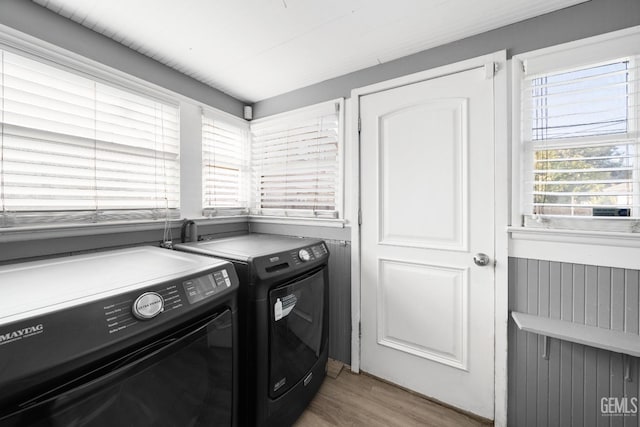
x,y
59,231
314,222
604,248
21,234
610,238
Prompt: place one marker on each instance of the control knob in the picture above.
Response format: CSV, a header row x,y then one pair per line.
x,y
304,255
148,305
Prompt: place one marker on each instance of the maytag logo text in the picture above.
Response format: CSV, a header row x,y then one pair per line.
x,y
21,333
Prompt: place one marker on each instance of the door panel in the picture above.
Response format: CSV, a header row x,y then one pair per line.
x,y
408,163
427,311
431,296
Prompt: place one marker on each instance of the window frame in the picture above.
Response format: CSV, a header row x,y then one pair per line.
x,y
34,49
566,57
285,215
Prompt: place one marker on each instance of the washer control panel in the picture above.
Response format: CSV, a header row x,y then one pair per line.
x,y
206,286
124,312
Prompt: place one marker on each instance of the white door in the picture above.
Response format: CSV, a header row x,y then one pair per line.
x,y
427,189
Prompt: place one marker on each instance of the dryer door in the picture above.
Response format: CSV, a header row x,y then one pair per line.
x,y
296,332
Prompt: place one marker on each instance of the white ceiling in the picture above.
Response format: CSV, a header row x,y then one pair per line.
x,y
256,49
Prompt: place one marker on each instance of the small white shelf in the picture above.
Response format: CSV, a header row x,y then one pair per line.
x,y
619,342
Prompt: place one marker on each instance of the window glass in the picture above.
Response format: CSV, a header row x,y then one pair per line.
x,y
585,102
580,142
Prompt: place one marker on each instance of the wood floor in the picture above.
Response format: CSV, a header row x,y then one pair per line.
x,y
360,400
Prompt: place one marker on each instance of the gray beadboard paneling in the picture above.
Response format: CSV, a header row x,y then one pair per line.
x,y
569,386
566,389
583,20
631,301
600,296
340,300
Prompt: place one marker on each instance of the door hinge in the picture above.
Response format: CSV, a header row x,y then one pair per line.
x,y
490,69
359,330
359,124
359,216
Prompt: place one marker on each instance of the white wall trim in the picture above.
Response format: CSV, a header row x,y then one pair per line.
x,y
223,116
602,47
621,250
501,219
502,190
190,158
355,232
313,222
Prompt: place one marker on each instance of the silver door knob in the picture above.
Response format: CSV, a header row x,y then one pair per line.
x,y
481,259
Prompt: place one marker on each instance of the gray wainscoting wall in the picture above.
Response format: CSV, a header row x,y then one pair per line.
x,y
340,300
568,388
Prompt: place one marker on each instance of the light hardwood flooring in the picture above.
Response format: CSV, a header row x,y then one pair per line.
x,y
361,400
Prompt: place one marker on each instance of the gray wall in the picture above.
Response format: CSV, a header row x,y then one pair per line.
x,y
39,22
14,248
566,389
580,21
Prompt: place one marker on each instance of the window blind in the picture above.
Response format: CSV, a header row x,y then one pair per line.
x,y
296,164
74,149
580,138
225,166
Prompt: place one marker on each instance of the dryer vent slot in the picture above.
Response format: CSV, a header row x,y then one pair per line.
x,y
277,267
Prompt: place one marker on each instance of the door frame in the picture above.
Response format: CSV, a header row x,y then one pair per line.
x,y
502,187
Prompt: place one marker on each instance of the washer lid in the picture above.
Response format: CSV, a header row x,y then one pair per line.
x,y
38,287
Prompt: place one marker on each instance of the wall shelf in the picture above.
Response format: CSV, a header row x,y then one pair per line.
x,y
616,341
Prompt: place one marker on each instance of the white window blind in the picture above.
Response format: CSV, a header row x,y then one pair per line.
x,y
580,140
74,149
296,163
225,166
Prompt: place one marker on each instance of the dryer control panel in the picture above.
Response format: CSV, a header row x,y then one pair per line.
x,y
309,254
286,263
